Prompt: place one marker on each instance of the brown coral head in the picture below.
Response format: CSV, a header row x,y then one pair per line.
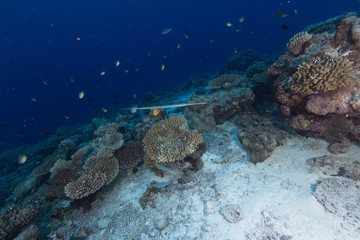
x,y
322,75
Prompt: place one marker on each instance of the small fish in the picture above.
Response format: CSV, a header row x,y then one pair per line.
x,y
45,133
81,94
296,11
162,67
166,31
22,158
78,39
235,51
241,19
178,46
162,168
211,41
284,27
149,54
281,14
126,71
117,63
45,82
164,56
238,30
104,110
136,69
156,112
181,56
72,79
134,95
229,24
102,73
34,99
162,184
66,117
186,36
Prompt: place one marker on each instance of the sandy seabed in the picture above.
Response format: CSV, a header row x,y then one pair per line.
x,y
231,198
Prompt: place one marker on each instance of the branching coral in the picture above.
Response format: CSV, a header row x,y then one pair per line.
x,y
98,171
169,141
13,219
297,42
321,75
131,155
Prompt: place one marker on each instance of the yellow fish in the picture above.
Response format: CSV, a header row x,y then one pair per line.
x,y
178,46
229,24
66,117
126,71
81,94
104,110
33,99
102,73
117,63
162,67
22,158
156,112
241,19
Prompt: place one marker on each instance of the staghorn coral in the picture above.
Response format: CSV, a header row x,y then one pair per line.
x,y
169,141
131,155
322,75
297,43
13,219
97,171
225,81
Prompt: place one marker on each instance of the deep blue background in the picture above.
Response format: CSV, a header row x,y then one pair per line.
x,y
38,42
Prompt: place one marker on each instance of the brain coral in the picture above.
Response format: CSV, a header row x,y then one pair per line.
x,y
169,141
296,43
321,75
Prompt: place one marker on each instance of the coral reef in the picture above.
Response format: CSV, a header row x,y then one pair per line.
x,y
13,219
131,155
108,135
225,81
318,85
169,141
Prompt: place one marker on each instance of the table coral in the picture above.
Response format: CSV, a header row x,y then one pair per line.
x,y
297,43
169,141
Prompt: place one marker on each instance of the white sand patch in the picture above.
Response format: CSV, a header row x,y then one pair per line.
x,y
275,198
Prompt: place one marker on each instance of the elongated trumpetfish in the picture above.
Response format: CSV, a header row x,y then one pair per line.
x,y
134,109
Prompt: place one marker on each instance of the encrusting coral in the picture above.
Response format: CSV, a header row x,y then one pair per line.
x,y
297,42
322,75
169,141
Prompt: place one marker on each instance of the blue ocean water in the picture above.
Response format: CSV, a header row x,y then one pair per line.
x,y
50,51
